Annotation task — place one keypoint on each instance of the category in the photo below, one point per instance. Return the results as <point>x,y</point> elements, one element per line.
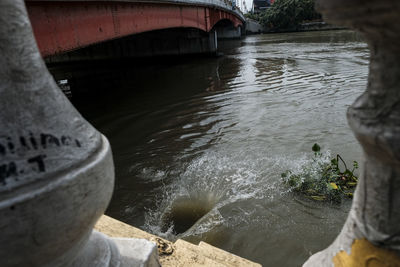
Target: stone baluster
<point>371,234</point>
<point>56,170</point>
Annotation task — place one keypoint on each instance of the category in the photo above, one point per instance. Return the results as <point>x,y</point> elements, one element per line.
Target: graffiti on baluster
<point>29,144</point>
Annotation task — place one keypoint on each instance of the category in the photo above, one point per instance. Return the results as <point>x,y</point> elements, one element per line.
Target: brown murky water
<point>203,141</point>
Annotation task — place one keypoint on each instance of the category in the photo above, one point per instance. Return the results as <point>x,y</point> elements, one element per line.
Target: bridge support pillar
<point>56,170</point>
<point>371,234</point>
<point>213,41</point>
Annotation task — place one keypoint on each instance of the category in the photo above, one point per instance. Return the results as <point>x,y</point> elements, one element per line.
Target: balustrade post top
<point>371,232</point>
<point>378,20</point>
<point>56,170</point>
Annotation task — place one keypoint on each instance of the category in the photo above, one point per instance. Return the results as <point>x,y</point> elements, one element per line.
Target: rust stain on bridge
<point>61,26</point>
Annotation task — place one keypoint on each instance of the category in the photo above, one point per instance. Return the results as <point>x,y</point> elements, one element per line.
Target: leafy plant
<point>323,180</point>
<point>254,16</point>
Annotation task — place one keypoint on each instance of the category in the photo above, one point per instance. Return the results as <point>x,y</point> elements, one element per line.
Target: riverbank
<point>254,27</point>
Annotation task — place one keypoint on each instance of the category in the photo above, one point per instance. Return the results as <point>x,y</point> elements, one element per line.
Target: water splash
<point>191,204</point>
<point>310,168</point>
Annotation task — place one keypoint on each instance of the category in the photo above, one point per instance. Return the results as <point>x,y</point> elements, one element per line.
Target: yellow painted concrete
<point>178,254</point>
<point>365,254</point>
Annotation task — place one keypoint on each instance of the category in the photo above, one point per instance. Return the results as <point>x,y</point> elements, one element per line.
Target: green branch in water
<point>322,180</point>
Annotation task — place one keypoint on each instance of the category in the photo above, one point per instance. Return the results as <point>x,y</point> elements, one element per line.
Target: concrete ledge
<point>137,252</point>
<point>178,254</point>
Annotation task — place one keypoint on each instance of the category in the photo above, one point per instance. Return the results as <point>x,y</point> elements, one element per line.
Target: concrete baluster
<point>56,170</point>
<point>371,234</point>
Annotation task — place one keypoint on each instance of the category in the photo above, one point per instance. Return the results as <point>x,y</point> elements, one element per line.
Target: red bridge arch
<point>61,26</point>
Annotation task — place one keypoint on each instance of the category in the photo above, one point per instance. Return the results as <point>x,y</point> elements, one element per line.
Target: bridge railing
<point>228,5</point>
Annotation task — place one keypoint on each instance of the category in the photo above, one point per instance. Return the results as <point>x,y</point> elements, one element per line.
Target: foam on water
<point>191,203</point>
<point>310,165</point>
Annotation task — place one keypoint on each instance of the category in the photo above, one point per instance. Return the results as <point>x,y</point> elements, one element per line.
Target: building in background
<point>261,5</point>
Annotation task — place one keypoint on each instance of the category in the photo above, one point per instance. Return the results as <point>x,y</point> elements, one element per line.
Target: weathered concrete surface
<point>318,26</point>
<point>137,252</point>
<point>99,251</point>
<point>371,234</point>
<point>253,27</point>
<point>56,170</point>
<point>178,254</point>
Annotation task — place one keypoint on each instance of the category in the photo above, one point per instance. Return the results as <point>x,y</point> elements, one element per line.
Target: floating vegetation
<point>323,180</point>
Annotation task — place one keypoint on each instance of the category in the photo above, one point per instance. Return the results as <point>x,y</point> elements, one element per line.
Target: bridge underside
<point>64,26</point>
<point>159,43</point>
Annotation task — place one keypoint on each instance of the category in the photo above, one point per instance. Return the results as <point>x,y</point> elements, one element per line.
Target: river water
<point>207,139</point>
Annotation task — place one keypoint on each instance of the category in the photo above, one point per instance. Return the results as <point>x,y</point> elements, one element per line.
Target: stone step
<point>187,254</point>
<point>219,256</point>
<point>178,254</point>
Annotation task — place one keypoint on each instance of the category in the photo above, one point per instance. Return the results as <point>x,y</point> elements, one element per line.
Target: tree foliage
<point>254,16</point>
<point>288,14</point>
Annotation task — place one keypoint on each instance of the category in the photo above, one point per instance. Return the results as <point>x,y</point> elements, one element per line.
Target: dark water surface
<point>206,139</point>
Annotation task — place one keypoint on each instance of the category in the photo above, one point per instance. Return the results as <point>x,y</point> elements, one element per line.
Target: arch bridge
<point>63,26</point>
